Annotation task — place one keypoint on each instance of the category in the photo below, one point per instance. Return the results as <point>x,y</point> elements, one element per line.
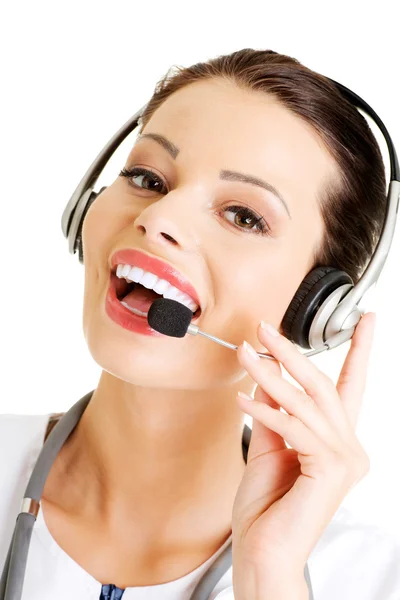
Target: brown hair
<point>353,207</point>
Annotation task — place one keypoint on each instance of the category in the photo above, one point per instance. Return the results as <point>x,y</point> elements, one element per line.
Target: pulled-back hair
<point>353,206</point>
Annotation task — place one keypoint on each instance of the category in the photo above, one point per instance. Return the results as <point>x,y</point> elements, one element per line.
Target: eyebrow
<point>224,173</point>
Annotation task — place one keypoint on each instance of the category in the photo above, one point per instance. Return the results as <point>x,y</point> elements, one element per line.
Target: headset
<point>324,311</point>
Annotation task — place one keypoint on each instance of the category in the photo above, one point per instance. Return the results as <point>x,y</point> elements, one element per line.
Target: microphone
<point>170,317</point>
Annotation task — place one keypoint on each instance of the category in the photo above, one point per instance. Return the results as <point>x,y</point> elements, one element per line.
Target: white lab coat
<point>353,560</point>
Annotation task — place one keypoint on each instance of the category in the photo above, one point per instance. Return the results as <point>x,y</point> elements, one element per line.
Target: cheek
<point>101,225</point>
<point>255,286</point>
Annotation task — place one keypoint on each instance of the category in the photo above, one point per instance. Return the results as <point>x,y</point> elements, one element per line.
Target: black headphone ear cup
<point>310,295</point>
<point>78,238</point>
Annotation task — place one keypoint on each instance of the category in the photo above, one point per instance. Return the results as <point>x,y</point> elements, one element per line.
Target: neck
<point>161,460</point>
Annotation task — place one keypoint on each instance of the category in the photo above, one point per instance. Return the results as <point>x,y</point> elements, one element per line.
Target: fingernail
<point>250,350</point>
<point>244,396</point>
<point>269,329</point>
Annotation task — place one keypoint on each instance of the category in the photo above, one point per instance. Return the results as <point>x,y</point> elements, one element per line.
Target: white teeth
<point>125,270</point>
<point>135,274</point>
<point>136,311</point>
<point>172,293</point>
<point>148,280</point>
<point>160,286</point>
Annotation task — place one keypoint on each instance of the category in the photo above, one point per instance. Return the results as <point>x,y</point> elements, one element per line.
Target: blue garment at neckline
<point>110,591</point>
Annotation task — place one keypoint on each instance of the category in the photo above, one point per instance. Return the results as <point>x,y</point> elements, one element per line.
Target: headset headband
<point>346,314</point>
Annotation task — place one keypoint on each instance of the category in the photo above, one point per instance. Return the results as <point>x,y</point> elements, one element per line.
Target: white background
<point>72,74</point>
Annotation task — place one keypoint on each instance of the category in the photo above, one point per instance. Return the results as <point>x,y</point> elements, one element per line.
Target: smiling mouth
<point>136,297</point>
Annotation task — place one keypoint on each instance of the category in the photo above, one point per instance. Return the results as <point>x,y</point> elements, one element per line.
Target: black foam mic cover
<point>169,317</point>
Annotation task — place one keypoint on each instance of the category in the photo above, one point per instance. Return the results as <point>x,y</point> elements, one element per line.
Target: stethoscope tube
<point>12,579</point>
<point>17,557</point>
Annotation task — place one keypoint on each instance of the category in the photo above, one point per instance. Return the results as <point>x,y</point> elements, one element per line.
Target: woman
<point>152,483</point>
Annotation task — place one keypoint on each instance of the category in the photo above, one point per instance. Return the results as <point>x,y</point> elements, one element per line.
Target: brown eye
<point>146,179</point>
<point>246,219</point>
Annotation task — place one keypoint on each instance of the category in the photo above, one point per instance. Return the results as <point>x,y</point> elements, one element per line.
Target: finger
<point>353,375</point>
<point>263,439</point>
<point>291,429</point>
<point>315,383</point>
<point>294,401</point>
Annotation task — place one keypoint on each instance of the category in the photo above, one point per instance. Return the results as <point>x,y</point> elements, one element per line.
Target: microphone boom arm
<point>336,340</point>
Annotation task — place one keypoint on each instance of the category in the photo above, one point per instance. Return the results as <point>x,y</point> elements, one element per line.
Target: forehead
<point>216,124</point>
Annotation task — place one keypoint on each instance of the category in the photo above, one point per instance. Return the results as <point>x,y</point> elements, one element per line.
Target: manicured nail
<point>250,350</point>
<point>269,329</point>
<point>244,396</point>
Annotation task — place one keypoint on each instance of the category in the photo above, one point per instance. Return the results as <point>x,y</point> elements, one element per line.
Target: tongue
<point>141,298</point>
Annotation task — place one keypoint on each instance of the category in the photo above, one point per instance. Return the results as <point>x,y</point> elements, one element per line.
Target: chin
<point>178,363</point>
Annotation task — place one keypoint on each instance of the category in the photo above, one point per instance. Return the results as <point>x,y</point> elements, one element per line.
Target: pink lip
<point>137,258</point>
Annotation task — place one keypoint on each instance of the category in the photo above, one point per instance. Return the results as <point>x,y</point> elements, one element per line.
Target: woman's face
<point>241,273</point>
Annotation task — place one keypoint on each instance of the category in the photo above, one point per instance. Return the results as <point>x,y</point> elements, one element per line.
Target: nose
<point>169,219</point>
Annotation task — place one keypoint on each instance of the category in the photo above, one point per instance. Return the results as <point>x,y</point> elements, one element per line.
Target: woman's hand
<point>288,496</point>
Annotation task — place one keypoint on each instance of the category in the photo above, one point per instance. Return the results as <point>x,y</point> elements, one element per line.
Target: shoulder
<point>19,434</point>
<point>355,558</point>
<point>21,439</point>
